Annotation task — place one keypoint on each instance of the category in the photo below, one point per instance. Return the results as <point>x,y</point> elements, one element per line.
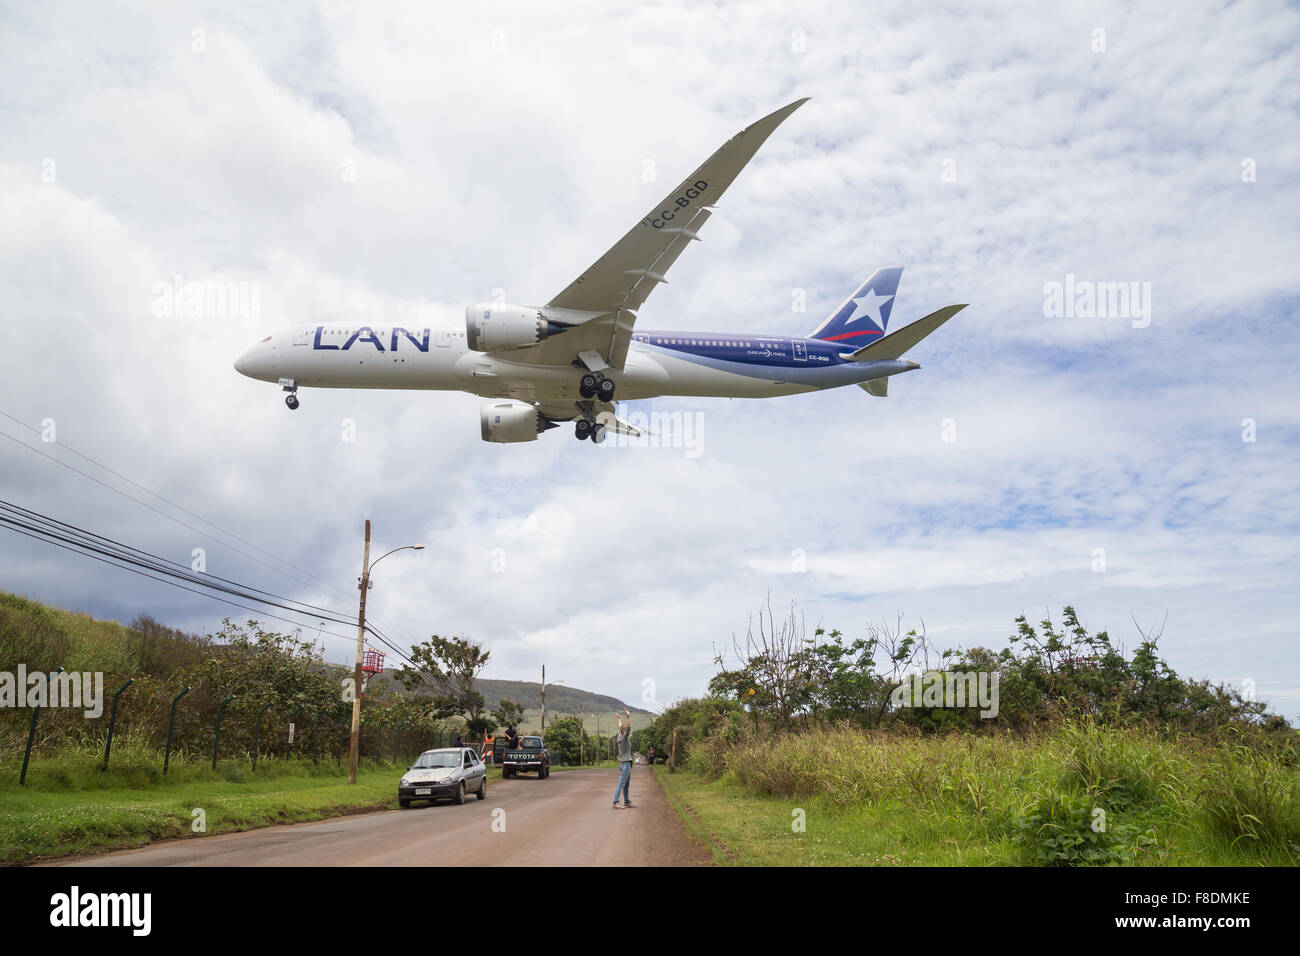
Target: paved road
<point>564,820</point>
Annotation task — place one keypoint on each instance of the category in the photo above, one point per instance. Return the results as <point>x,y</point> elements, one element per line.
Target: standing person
<point>650,757</point>
<point>624,749</point>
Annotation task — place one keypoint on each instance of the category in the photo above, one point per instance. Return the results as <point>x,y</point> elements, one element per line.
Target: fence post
<point>112,721</point>
<point>257,735</point>
<point>216,736</point>
<point>171,722</point>
<point>31,734</point>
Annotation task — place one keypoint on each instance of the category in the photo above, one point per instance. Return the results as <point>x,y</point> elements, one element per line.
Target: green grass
<point>96,812</point>
<point>992,800</point>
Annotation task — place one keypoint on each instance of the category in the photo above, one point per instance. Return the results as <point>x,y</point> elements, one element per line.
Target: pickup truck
<point>531,756</point>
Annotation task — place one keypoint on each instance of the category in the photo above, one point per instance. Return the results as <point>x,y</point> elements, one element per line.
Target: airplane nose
<point>244,364</point>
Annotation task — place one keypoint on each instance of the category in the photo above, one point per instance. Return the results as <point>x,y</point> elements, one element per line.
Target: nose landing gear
<point>290,386</point>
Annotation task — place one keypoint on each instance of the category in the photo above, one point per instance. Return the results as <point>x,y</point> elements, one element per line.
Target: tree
<point>563,739</point>
<point>507,713</point>
<point>448,667</point>
<point>772,677</point>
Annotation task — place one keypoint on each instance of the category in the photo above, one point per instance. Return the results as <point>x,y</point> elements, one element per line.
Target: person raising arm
<point>624,750</point>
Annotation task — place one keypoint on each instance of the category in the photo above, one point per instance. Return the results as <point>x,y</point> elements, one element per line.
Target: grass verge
<point>38,824</point>
<point>1079,796</point>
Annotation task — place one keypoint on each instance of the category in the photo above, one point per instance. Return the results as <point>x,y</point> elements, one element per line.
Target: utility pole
<point>543,698</point>
<point>364,585</point>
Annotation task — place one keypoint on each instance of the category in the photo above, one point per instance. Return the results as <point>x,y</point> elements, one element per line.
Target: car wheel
<point>404,804</point>
<point>459,795</point>
<point>482,788</point>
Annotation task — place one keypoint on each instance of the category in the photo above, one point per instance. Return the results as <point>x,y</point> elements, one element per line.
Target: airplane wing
<point>604,299</point>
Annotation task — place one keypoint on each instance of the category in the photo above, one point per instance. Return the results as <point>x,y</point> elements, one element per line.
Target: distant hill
<point>560,698</point>
<point>45,637</point>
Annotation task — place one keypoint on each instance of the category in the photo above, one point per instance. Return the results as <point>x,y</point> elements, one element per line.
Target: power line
<point>163,498</point>
<point>166,565</point>
<point>71,537</point>
<point>214,597</point>
<point>109,552</point>
<point>178,507</point>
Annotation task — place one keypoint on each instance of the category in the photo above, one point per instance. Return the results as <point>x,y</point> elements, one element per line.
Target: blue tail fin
<point>864,316</point>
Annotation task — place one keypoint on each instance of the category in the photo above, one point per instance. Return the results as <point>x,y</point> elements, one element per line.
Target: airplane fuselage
<point>708,364</point>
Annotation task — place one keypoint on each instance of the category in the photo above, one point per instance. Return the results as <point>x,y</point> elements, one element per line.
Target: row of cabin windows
<point>662,340</point>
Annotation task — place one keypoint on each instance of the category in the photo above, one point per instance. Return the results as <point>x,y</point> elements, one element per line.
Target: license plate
<point>423,791</point>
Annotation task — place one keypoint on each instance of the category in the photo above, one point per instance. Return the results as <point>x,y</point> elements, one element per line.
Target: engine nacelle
<point>511,422</point>
<point>490,327</point>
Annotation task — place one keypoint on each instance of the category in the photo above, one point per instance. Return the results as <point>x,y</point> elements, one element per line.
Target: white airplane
<point>569,359</point>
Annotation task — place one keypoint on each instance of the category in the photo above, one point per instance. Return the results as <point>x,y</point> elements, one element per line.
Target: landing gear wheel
<point>587,385</point>
<point>606,389</point>
<point>292,402</point>
<point>598,433</point>
<point>481,793</point>
<point>459,796</point>
<point>582,430</point>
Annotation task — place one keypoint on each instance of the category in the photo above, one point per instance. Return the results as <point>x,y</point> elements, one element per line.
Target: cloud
<point>400,161</point>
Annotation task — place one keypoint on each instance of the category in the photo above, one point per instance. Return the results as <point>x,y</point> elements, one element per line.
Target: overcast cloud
<point>405,160</point>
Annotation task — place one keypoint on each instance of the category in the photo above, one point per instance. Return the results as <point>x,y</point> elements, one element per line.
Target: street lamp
<point>364,585</point>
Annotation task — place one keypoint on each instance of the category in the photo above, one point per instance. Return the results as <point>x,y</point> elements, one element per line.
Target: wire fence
<point>70,746</point>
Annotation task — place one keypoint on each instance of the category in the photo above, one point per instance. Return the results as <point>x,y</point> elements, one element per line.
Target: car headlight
<point>404,783</point>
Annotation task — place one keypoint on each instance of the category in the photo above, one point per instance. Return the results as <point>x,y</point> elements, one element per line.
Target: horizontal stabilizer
<point>895,344</point>
<point>878,387</point>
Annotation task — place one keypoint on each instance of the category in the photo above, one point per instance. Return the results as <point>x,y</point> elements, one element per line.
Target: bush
<point>1067,829</point>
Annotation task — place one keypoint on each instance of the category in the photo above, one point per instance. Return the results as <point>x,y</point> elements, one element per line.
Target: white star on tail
<point>869,304</point>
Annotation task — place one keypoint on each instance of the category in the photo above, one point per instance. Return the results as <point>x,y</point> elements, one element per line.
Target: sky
<point>405,160</point>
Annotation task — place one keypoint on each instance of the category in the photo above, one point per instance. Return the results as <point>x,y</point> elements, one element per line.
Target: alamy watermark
<point>949,689</point>
<point>76,689</point>
<point>1084,299</point>
<point>208,299</point>
<point>684,430</point>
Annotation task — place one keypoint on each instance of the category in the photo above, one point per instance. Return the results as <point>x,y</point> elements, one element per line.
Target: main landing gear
<point>292,398</point>
<point>585,429</point>
<point>595,385</point>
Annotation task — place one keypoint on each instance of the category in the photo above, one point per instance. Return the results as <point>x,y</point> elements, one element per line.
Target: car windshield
<point>438,758</point>
<point>530,743</point>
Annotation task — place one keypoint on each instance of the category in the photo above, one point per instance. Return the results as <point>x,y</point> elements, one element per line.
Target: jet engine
<point>512,422</point>
<point>490,327</point>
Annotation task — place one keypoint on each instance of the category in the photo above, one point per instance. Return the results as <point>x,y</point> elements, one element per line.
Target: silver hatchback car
<point>451,772</point>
